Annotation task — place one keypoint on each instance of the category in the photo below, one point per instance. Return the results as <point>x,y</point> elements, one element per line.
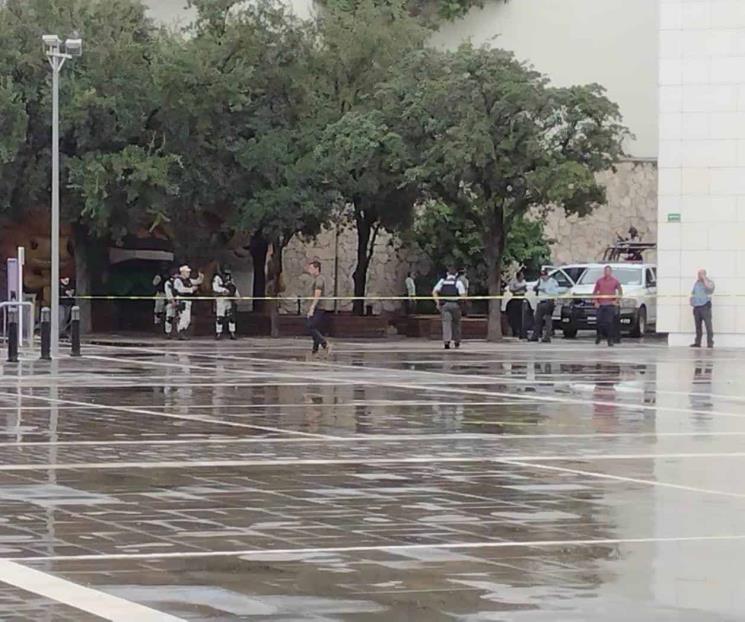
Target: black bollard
<point>12,335</point>
<point>75,332</point>
<point>45,330</point>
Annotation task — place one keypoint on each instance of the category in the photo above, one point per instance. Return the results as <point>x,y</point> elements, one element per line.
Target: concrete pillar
<point>701,211</point>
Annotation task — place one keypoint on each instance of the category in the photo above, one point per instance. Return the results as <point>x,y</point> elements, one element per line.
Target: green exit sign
<point>673,217</point>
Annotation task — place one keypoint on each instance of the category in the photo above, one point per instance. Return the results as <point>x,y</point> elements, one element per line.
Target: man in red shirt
<point>607,292</point>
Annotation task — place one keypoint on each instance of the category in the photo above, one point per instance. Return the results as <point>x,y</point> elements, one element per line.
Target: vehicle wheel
<point>639,326</point>
<point>570,333</point>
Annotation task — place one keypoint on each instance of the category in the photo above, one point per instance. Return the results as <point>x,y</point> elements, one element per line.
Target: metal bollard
<point>12,335</point>
<point>75,332</point>
<point>45,330</point>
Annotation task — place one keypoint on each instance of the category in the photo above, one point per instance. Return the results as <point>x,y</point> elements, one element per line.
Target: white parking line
<point>621,478</point>
<point>393,548</point>
<point>83,598</point>
<point>365,461</point>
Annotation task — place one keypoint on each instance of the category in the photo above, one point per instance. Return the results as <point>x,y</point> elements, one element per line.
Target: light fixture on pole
<point>57,52</point>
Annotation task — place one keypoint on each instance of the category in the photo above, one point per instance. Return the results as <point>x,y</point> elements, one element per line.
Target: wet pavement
<point>395,481</point>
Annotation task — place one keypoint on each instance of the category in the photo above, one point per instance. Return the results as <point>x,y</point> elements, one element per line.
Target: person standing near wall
<point>410,302</point>
<point>516,308</point>
<point>448,294</point>
<point>547,290</point>
<point>66,303</point>
<point>701,294</point>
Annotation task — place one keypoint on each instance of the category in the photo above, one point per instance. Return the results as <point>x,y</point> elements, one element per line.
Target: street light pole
<point>72,47</point>
<point>56,63</point>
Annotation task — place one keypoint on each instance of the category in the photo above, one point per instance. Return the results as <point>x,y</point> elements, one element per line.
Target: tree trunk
<point>494,244</point>
<point>83,278</point>
<point>274,287</point>
<point>259,247</point>
<point>364,233</point>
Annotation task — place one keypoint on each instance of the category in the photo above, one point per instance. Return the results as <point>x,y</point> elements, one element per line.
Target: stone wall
<point>632,200</point>
<point>390,263</point>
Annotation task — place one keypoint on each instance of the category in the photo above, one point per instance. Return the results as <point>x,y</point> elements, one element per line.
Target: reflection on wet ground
<point>236,481</point>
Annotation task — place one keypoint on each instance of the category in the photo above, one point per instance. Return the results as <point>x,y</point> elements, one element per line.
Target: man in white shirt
<point>547,290</point>
<point>410,302</point>
<point>448,294</point>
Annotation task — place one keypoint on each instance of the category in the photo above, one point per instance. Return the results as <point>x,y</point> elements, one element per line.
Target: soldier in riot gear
<point>225,305</point>
<point>159,306</point>
<point>170,302</point>
<point>186,288</point>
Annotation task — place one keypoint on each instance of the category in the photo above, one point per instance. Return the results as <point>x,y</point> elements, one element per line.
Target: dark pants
<point>313,325</point>
<point>515,316</point>
<point>409,306</point>
<point>702,315</point>
<point>451,314</point>
<point>65,317</point>
<point>543,320</point>
<point>606,323</point>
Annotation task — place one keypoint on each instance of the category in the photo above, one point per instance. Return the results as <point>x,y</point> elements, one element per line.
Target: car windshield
<point>627,276</point>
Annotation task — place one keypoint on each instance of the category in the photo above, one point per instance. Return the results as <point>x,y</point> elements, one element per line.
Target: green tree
<point>447,236</point>
<point>497,141</point>
<point>112,166</point>
<point>364,162</point>
<point>115,174</point>
<point>239,109</point>
<point>361,160</point>
<point>426,9</point>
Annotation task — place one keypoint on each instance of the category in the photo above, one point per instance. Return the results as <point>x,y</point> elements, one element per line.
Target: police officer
<point>225,306</point>
<point>185,288</point>
<point>448,294</point>
<point>169,294</point>
<point>547,290</point>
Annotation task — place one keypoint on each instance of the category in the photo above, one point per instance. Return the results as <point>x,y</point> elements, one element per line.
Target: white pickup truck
<point>638,304</point>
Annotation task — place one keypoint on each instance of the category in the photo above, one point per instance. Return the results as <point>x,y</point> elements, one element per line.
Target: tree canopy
<point>495,141</point>
<point>257,123</point>
<point>115,172</point>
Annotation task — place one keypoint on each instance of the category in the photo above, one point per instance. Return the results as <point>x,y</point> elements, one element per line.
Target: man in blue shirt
<point>547,290</point>
<point>703,288</point>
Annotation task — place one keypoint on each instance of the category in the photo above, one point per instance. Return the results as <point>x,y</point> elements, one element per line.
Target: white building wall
<point>702,163</point>
<point>611,42</point>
